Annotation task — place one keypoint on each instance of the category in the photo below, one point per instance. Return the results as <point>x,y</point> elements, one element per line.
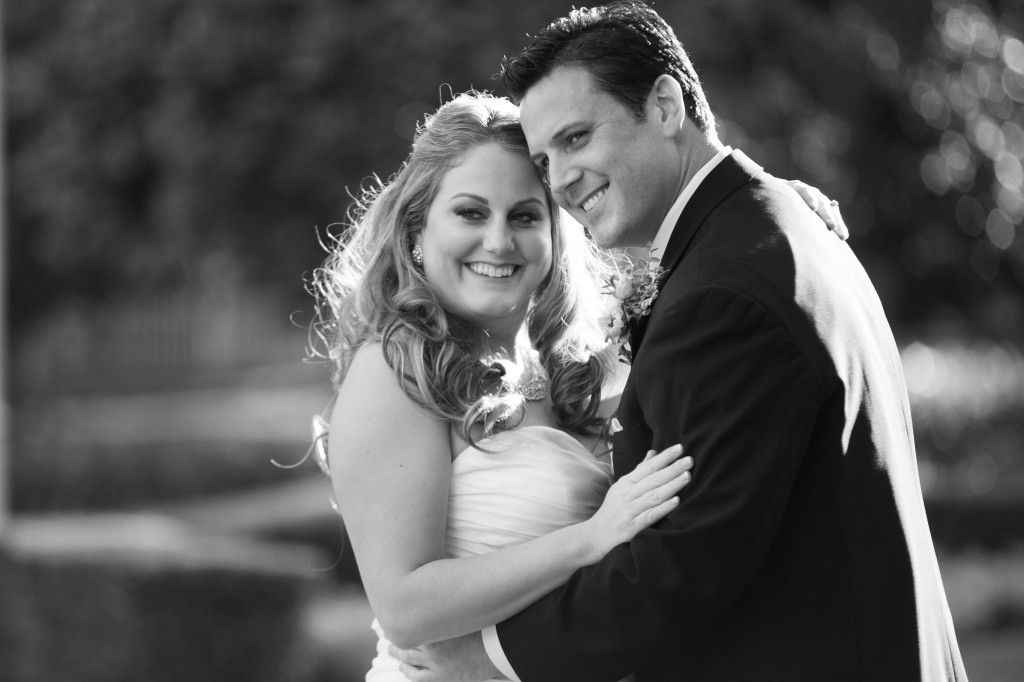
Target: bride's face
<point>487,238</point>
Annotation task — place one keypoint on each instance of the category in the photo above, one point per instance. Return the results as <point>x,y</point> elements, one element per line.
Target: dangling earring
<point>417,255</point>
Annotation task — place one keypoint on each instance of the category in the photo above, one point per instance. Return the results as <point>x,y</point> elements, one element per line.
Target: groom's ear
<point>666,105</point>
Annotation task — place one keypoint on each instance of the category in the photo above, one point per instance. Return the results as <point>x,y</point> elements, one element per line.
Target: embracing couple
<point>765,520</point>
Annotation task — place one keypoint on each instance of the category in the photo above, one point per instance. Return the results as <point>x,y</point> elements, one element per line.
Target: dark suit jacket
<point>800,551</point>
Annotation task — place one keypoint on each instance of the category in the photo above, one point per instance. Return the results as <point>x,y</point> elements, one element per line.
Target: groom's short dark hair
<point>625,46</point>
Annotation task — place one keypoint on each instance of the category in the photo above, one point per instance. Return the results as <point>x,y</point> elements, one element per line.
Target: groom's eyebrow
<point>555,137</point>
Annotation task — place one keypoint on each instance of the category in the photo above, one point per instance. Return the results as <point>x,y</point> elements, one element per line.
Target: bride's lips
<point>493,270</point>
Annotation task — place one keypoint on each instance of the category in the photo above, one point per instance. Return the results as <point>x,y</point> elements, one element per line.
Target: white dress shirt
<point>490,634</point>
<point>660,240</point>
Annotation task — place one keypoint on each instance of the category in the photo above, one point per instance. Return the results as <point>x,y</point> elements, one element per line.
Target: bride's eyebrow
<point>467,195</point>
<point>531,200</point>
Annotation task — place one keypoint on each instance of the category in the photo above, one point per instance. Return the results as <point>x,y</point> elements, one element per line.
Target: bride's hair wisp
<point>368,289</point>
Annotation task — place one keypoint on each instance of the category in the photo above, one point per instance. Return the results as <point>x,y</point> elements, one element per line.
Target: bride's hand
<point>637,500</point>
<point>827,210</point>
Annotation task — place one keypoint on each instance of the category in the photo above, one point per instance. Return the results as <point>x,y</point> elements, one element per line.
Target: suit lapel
<point>732,173</point>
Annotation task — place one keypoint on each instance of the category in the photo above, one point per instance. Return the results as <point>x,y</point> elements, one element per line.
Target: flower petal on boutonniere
<point>629,295</point>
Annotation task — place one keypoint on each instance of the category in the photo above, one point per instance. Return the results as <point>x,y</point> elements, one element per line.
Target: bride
<point>467,444</point>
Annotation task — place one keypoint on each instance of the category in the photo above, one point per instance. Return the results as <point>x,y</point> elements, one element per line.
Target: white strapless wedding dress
<point>529,482</point>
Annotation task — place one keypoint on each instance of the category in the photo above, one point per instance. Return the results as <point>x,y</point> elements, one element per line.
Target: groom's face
<point>612,172</point>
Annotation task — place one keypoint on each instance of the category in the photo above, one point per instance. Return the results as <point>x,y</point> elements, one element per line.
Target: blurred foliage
<point>142,598</point>
<point>171,144</point>
<point>131,477</point>
<point>147,139</point>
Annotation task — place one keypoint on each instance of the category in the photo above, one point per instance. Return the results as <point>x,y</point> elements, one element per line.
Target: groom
<point>801,550</point>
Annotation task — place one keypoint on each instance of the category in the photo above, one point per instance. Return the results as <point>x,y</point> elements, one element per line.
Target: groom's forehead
<point>561,98</point>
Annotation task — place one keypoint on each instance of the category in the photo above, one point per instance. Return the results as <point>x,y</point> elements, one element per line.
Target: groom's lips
<point>592,199</point>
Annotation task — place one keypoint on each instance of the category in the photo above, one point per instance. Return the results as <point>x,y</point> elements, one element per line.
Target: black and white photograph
<point>437,341</point>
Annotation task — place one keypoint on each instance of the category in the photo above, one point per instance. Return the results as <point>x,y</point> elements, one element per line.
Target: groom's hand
<point>462,659</point>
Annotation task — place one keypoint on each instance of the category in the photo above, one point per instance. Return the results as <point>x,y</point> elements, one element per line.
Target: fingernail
<point>688,461</point>
<point>677,447</point>
<point>686,476</point>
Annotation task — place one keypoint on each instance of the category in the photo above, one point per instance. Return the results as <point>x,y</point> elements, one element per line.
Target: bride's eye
<point>472,214</point>
<point>528,218</point>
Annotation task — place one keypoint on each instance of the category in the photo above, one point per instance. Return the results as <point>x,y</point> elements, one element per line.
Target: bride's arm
<point>390,466</point>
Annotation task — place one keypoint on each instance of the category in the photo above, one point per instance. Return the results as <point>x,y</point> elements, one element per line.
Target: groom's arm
<point>728,381</point>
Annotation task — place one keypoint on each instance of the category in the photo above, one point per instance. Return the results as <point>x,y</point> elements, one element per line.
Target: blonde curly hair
<point>368,289</point>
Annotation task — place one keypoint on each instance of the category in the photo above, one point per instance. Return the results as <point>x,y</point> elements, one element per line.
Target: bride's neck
<point>505,348</point>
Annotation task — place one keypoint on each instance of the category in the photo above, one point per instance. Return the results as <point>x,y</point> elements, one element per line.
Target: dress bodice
<point>507,489</point>
<point>518,485</point>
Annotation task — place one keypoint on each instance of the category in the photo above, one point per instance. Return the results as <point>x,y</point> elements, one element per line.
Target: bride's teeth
<point>488,270</point>
<point>592,201</point>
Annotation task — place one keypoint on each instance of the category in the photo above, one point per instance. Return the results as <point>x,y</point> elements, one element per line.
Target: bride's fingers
<point>654,462</point>
<point>665,490</point>
<point>827,210</point>
<point>660,477</point>
<point>838,226</point>
<point>811,195</point>
<point>649,517</point>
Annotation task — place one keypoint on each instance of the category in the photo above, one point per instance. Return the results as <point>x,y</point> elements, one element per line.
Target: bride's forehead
<point>493,169</point>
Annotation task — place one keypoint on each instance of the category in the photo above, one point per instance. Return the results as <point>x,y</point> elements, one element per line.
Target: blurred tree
<point>150,140</point>
<point>147,138</point>
<point>949,194</point>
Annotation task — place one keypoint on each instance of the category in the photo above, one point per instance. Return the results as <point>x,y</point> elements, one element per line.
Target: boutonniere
<point>629,295</point>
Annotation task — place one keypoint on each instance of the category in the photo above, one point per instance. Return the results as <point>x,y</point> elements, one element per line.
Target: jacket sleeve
<point>719,374</point>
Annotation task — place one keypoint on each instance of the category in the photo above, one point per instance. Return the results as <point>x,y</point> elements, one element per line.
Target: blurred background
<point>169,169</point>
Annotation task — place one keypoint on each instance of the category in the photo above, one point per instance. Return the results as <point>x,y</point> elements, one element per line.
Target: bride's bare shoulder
<point>369,356</point>
<point>372,405</point>
<point>370,381</point>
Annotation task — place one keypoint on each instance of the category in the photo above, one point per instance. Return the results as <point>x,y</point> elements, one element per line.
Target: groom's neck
<point>697,148</point>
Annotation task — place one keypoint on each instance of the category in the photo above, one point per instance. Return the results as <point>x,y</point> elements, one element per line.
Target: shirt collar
<point>672,217</point>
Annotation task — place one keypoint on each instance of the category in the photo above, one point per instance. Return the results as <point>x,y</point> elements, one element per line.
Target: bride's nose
<point>498,237</point>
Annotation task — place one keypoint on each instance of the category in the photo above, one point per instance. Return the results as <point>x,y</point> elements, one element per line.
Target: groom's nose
<point>562,173</point>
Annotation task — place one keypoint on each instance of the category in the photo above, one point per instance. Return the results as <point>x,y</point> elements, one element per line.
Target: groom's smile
<point>591,201</point>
